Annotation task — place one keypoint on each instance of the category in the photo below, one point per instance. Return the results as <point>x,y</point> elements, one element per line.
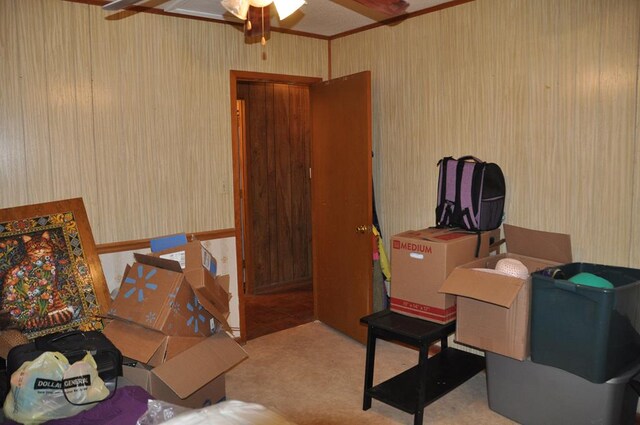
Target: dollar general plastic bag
<point>49,388</point>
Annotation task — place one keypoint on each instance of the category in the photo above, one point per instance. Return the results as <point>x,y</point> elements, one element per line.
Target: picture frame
<point>51,278</point>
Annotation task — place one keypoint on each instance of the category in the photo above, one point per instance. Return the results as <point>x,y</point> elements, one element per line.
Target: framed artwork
<point>50,273</point>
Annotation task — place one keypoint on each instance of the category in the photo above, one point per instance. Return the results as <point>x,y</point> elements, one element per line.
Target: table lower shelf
<point>445,371</point>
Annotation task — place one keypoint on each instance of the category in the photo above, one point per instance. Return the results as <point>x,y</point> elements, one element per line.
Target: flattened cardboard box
<point>156,294</point>
<point>188,371</point>
<point>145,345</point>
<point>420,262</point>
<point>494,309</point>
<point>211,393</point>
<point>200,268</point>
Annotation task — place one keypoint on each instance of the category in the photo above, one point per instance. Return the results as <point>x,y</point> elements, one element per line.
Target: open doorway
<point>272,201</point>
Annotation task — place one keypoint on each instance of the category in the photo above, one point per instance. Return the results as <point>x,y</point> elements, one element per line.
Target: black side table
<point>412,390</point>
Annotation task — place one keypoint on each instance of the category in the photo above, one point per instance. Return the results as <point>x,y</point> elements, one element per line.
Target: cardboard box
<point>175,291</point>
<point>155,293</point>
<point>200,270</point>
<point>421,260</point>
<point>494,309</point>
<point>211,393</point>
<point>161,318</point>
<point>145,345</point>
<point>184,371</point>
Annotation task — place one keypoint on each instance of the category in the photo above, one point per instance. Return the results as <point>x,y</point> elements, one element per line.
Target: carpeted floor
<point>314,375</point>
<point>269,313</point>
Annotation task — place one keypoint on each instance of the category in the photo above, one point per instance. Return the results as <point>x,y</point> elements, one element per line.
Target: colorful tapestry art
<point>46,277</point>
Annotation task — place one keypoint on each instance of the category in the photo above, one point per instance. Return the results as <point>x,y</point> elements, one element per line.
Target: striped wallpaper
<point>132,113</point>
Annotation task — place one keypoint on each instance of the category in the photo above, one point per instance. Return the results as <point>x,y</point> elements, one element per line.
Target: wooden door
<point>341,193</point>
<point>276,161</point>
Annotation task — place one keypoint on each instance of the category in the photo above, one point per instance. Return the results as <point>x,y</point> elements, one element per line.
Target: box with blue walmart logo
<point>155,294</point>
<point>200,270</point>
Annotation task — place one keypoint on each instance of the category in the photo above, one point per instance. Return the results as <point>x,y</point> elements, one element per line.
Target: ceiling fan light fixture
<point>246,10</point>
<point>237,8</point>
<point>287,7</point>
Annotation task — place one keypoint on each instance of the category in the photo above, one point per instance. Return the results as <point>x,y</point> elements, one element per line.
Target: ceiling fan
<point>388,7</point>
<point>256,13</point>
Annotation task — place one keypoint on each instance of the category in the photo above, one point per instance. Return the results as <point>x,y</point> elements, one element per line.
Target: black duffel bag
<point>73,345</point>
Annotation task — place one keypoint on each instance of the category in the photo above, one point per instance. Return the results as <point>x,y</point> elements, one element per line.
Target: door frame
<point>249,76</point>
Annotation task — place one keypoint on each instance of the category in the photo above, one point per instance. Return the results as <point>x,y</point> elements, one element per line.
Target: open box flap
<point>484,286</point>
<point>222,282</point>
<point>209,262</point>
<point>138,375</point>
<point>451,235</point>
<point>479,280</point>
<point>211,293</point>
<point>211,308</point>
<point>538,244</point>
<point>160,263</point>
<point>178,344</point>
<point>127,269</point>
<point>193,368</point>
<point>135,341</point>
<point>189,256</point>
<point>436,234</point>
<point>213,289</point>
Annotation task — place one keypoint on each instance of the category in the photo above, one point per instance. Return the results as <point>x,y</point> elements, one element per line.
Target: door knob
<point>362,229</point>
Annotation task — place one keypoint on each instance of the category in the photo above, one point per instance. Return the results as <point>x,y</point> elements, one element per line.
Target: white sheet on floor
<point>231,412</point>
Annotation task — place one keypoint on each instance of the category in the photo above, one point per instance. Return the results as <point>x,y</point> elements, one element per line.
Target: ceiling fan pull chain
<point>263,41</point>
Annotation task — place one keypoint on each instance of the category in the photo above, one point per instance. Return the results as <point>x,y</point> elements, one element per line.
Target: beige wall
<point>91,106</point>
<point>132,114</point>
<point>545,88</point>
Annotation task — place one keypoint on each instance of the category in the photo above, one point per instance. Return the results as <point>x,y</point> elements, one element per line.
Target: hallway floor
<point>270,313</point>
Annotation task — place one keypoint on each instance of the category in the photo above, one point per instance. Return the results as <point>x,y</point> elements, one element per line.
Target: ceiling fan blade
<point>119,4</point>
<point>388,7</point>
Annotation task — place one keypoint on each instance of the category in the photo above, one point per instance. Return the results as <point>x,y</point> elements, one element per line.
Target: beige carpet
<point>312,375</point>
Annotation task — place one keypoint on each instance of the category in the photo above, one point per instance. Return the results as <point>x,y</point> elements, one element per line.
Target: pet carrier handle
<point>565,286</point>
<point>462,158</point>
<point>466,157</point>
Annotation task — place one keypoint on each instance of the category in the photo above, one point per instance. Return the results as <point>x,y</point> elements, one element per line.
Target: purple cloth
<point>124,408</point>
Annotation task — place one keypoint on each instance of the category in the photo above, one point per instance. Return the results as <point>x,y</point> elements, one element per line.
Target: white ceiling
<point>318,17</point>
